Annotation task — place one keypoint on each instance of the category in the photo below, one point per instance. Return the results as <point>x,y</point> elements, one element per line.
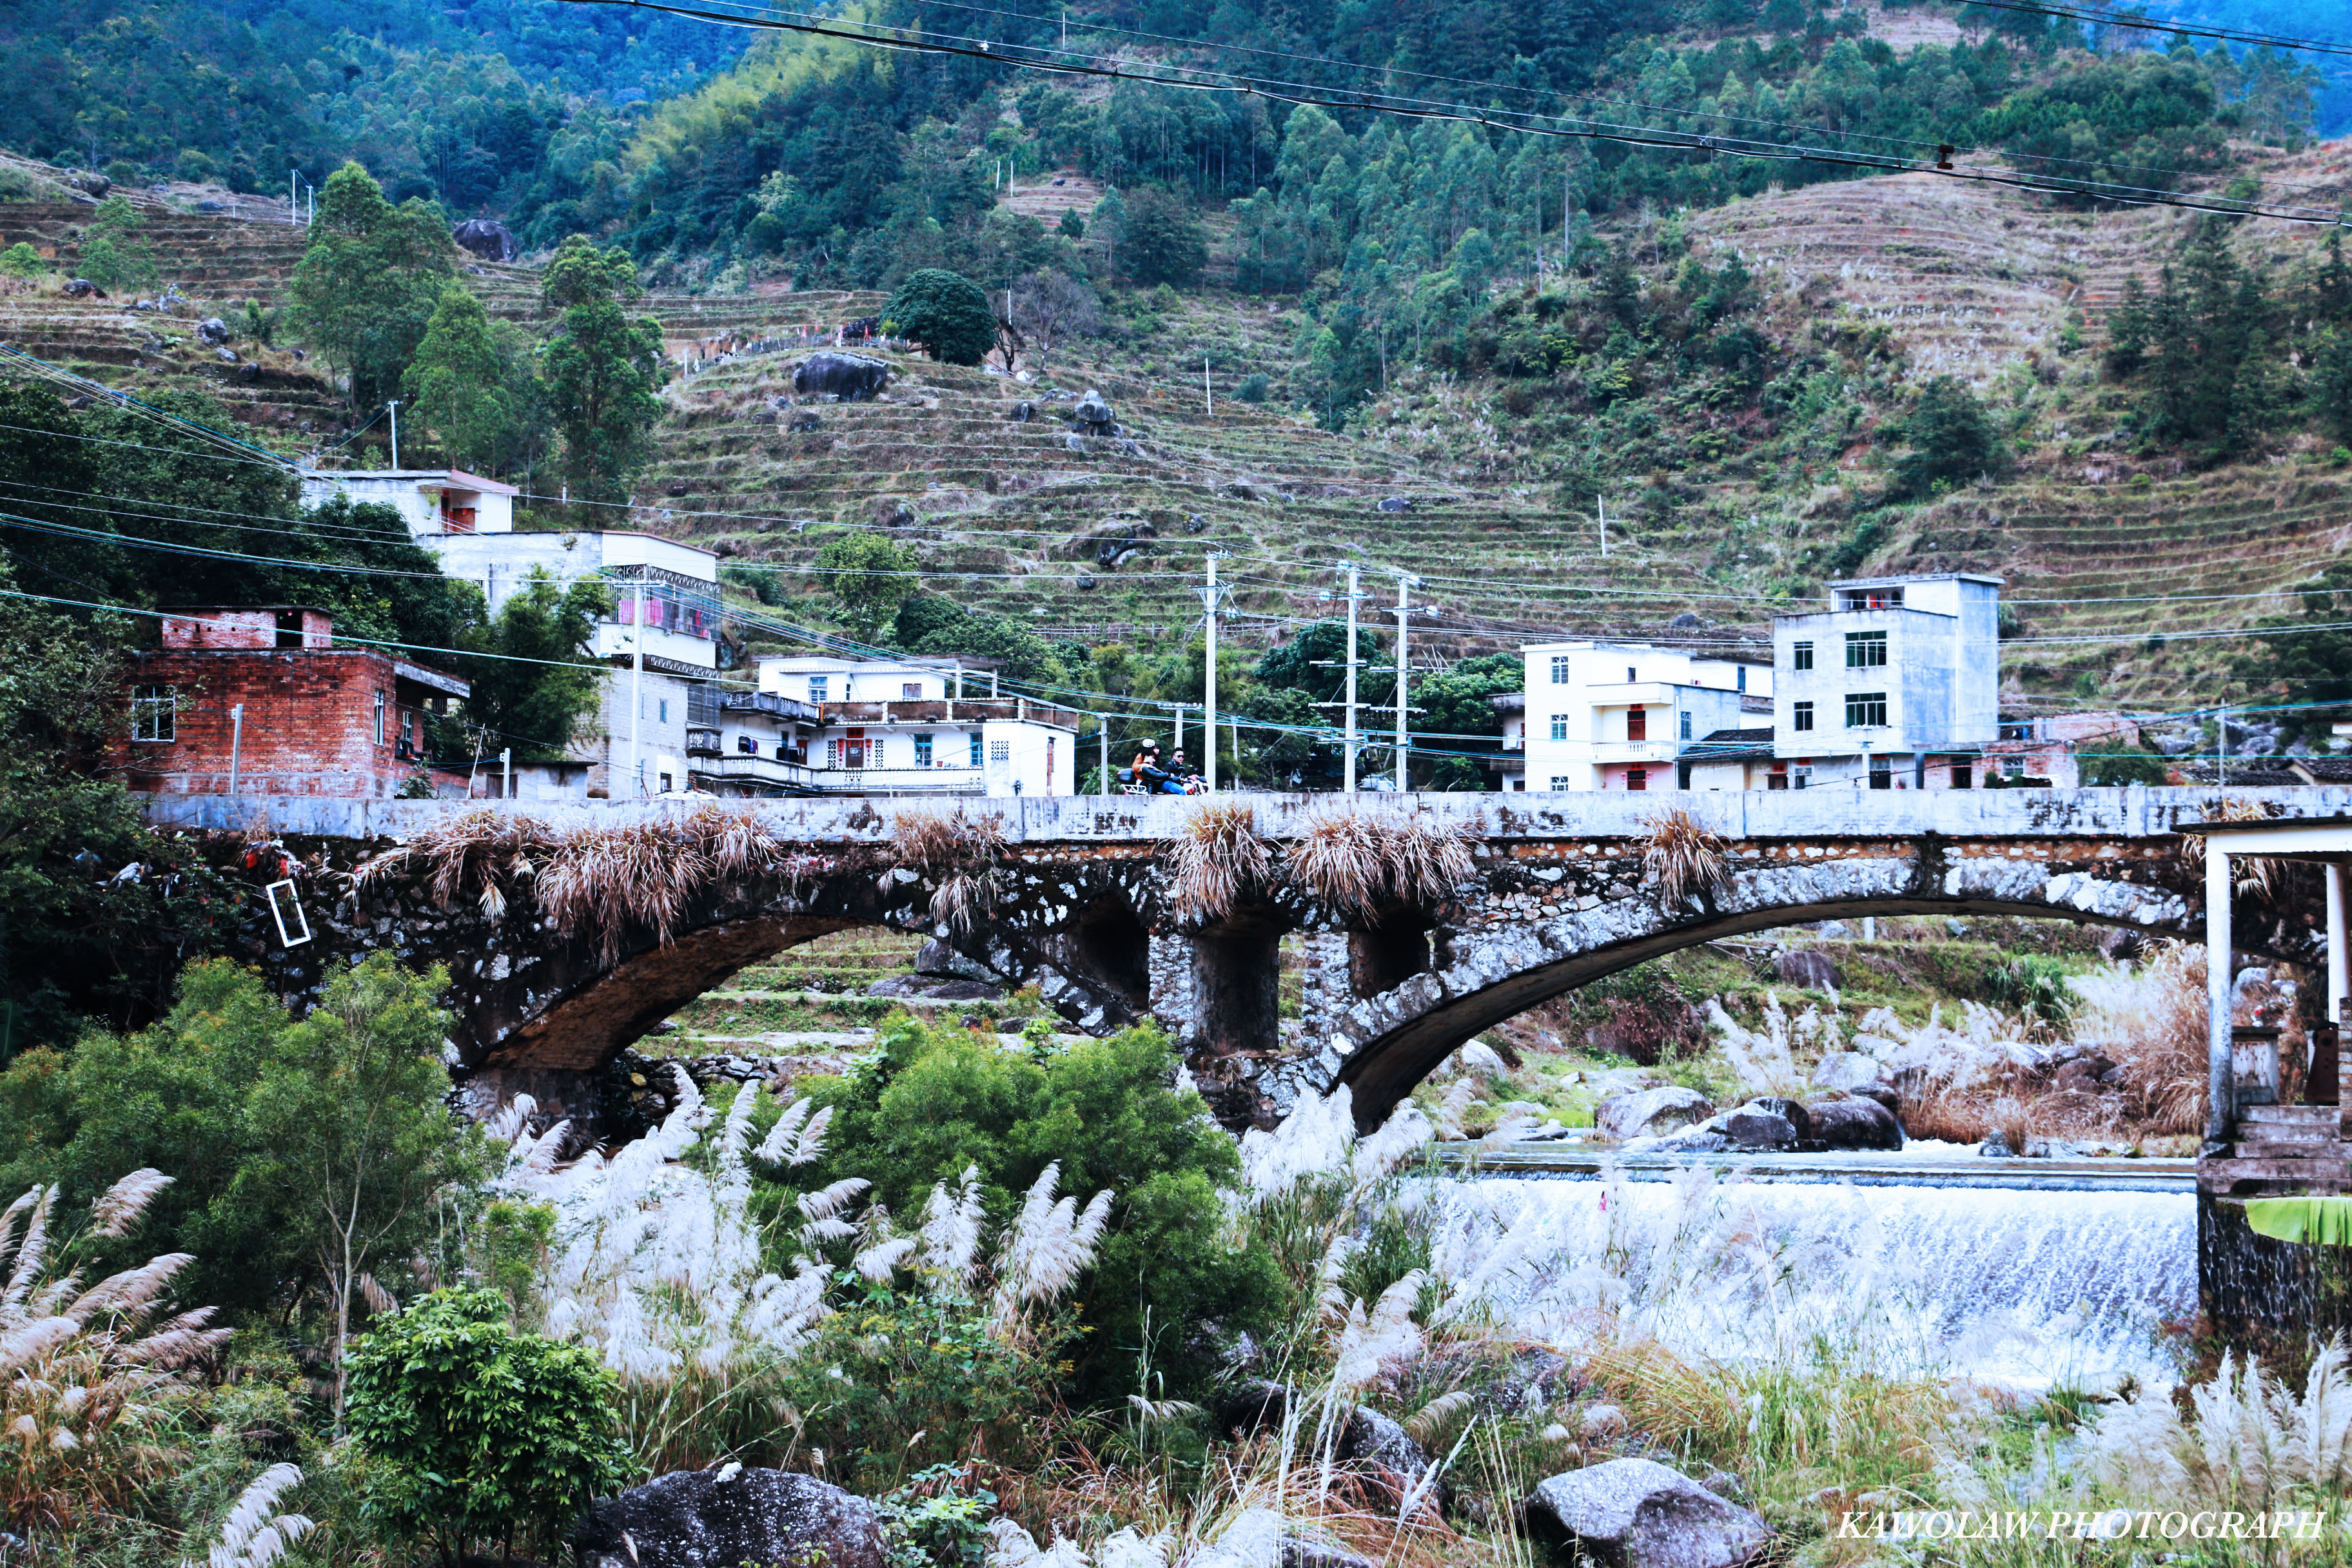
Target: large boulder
<point>1855,1123</point>
<point>488,238</point>
<point>83,288</point>
<point>851,378</point>
<point>1650,1112</point>
<point>1842,1072</point>
<point>1370,1439</point>
<point>727,1517</point>
<point>1755,1130</point>
<point>936,957</point>
<point>1807,969</point>
<point>1093,415</point>
<point>1638,1513</point>
<point>935,988</point>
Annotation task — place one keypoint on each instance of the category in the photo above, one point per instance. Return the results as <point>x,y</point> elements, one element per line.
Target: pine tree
<point>603,369</point>
<point>369,282</point>
<point>471,390</point>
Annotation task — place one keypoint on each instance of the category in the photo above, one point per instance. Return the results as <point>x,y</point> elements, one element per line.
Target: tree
<point>868,575</point>
<point>1164,240</point>
<point>944,312</point>
<point>96,910</point>
<point>604,371</point>
<point>1951,441</point>
<point>112,256</point>
<point>1052,305</point>
<point>369,282</point>
<point>472,384</point>
<point>2314,663</point>
<point>474,1433</point>
<point>1315,660</point>
<point>534,680</point>
<point>354,1136</point>
<point>935,1101</point>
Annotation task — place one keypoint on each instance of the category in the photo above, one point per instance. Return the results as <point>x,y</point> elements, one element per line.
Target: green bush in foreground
<point>934,1100</point>
<point>473,1432</point>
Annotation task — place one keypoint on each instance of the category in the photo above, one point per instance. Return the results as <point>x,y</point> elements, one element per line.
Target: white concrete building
<point>917,726</point>
<point>433,500</point>
<point>1510,765</point>
<point>1896,685</point>
<point>1617,716</point>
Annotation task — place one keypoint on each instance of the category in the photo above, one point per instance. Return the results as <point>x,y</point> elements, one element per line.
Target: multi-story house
<point>916,726</point>
<point>1895,686</point>
<point>1621,716</point>
<point>665,606</point>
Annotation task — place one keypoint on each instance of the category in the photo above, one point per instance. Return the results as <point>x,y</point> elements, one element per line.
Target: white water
<point>2000,1286</point>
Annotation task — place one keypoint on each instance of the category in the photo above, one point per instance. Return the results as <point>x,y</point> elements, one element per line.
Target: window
<point>664,707</point>
<point>1741,673</point>
<point>1637,723</point>
<point>2013,766</point>
<point>1685,731</point>
<point>833,752</point>
<point>1561,785</point>
<point>1865,709</point>
<point>922,750</point>
<point>910,690</point>
<point>1882,773</point>
<point>665,785</point>
<point>1801,716</point>
<point>817,684</point>
<point>154,712</point>
<point>1000,751</point>
<point>874,752</point>
<point>1560,669</point>
<point>1637,778</point>
<point>1870,599</point>
<point>1866,650</point>
<point>1801,775</point>
<point>1776,777</point>
<point>1629,675</point>
<point>1801,656</point>
<point>379,718</point>
<point>1963,776</point>
<point>1560,726</point>
<point>975,750</point>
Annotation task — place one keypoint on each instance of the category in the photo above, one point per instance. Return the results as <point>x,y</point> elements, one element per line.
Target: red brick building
<point>317,720</point>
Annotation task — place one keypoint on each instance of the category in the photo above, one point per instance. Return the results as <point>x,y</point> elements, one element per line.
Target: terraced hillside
<point>1103,538</point>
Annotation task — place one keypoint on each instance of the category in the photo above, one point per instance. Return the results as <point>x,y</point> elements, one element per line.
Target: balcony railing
<point>897,781</point>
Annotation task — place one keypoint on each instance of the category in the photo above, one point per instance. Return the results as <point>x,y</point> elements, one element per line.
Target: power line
<point>2149,24</point>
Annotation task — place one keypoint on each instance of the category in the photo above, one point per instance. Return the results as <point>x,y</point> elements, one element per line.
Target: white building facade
<point>1896,685</point>
<point>916,727</point>
<point>433,500</point>
<point>1619,716</point>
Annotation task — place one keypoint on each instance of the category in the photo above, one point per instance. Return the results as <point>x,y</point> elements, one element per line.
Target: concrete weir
<point>1558,895</point>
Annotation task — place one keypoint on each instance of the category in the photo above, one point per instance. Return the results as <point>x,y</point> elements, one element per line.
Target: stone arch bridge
<point>1557,896</point>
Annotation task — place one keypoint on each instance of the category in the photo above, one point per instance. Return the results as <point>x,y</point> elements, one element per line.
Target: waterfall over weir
<point>2006,1286</point>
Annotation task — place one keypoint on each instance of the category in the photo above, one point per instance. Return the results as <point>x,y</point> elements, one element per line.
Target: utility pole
<point>1347,745</point>
<point>637,690</point>
<point>1208,393</point>
<point>1102,729</point>
<point>1209,704</point>
<point>1405,714</point>
<point>506,774</point>
<point>236,744</point>
<point>394,408</point>
<point>1602,503</point>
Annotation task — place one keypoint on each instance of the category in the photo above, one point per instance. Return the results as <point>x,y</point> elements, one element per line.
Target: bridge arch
<point>1557,897</point>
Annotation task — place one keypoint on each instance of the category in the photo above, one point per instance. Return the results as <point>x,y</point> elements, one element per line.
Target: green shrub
<point>1254,389</point>
<point>21,261</point>
<point>471,1432</point>
<point>934,1100</point>
<point>2035,986</point>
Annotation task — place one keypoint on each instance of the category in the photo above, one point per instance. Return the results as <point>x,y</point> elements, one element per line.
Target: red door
<point>1637,723</point>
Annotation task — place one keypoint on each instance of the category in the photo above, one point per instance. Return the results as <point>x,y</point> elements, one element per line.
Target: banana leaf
<point>2324,1222</point>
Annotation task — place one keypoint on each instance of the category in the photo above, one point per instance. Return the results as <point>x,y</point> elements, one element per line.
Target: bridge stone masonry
<point>552,970</point>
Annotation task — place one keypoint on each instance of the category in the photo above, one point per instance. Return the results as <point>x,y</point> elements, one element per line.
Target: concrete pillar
<point>2339,962</point>
<point>1324,991</point>
<point>2221,1113</point>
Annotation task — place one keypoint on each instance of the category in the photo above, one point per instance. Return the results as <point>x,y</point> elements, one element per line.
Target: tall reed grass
<point>593,879</point>
<point>1217,858</point>
<point>1353,860</point>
